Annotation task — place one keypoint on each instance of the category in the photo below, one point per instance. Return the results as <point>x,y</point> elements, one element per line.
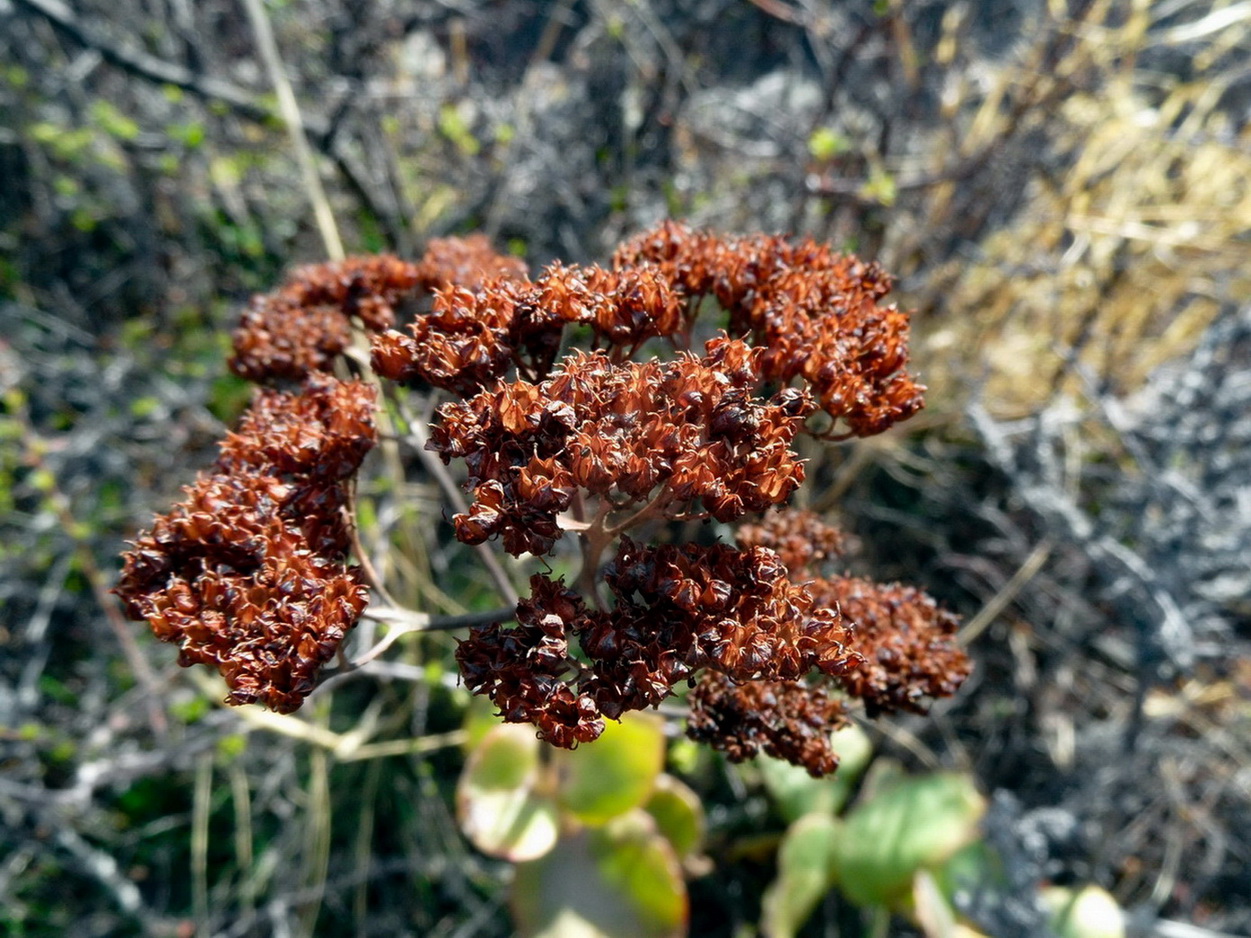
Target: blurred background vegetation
<point>1063,188</point>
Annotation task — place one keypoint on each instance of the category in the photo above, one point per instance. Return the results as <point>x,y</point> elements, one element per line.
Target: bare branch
<point>143,65</point>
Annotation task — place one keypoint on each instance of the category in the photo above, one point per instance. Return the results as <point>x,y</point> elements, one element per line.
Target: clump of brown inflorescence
<point>689,437</point>
<point>906,641</point>
<point>816,313</point>
<point>784,719</point>
<point>249,575</point>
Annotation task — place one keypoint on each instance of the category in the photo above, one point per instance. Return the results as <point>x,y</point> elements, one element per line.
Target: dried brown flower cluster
<point>466,262</point>
<point>523,669</point>
<point>906,641</point>
<point>784,719</point>
<point>687,433</point>
<point>908,644</point>
<point>463,345</point>
<point>677,611</point>
<point>801,538</point>
<point>624,307</point>
<point>689,607</point>
<point>477,333</point>
<point>304,325</point>
<point>772,659</point>
<point>814,311</point>
<point>248,575</point>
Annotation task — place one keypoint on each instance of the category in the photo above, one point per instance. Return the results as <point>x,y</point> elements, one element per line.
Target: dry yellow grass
<point>1119,261</point>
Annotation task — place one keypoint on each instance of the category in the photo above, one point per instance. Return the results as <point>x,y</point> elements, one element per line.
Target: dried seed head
<point>801,539</point>
<point>815,313</point>
<point>690,428</point>
<point>906,640</point>
<point>247,574</point>
<point>678,610</point>
<point>300,328</point>
<point>784,719</point>
<point>461,345</point>
<point>522,668</point>
<point>466,262</point>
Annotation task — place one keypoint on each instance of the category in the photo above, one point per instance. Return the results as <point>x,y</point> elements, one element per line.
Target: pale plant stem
<point>362,557</point>
<point>364,848</point>
<point>405,623</point>
<point>201,809</point>
<point>451,491</point>
<point>413,622</point>
<point>646,513</point>
<point>405,747</point>
<point>342,747</point>
<point>289,108</point>
<point>241,795</point>
<point>594,539</point>
<point>1001,600</point>
<point>319,819</point>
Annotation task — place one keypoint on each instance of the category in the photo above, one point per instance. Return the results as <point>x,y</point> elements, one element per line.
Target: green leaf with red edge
<point>619,880</point>
<point>678,813</point>
<point>805,873</point>
<point>500,799</point>
<point>615,774</point>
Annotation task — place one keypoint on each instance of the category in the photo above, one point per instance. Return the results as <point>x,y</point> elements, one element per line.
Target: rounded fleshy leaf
<point>805,873</point>
<point>614,774</point>
<point>620,880</point>
<point>917,823</point>
<point>1088,912</point>
<point>497,802</point>
<point>678,813</point>
<point>479,720</point>
<point>797,793</point>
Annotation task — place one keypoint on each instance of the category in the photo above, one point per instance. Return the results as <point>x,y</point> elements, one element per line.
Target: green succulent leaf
<point>479,720</point>
<point>972,866</point>
<point>678,813</point>
<point>620,880</point>
<point>797,793</point>
<point>1088,912</point>
<point>918,823</point>
<point>498,802</point>
<point>614,774</point>
<point>805,866</point>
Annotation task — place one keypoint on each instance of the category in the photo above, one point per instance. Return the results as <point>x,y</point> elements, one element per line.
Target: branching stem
<point>593,540</point>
